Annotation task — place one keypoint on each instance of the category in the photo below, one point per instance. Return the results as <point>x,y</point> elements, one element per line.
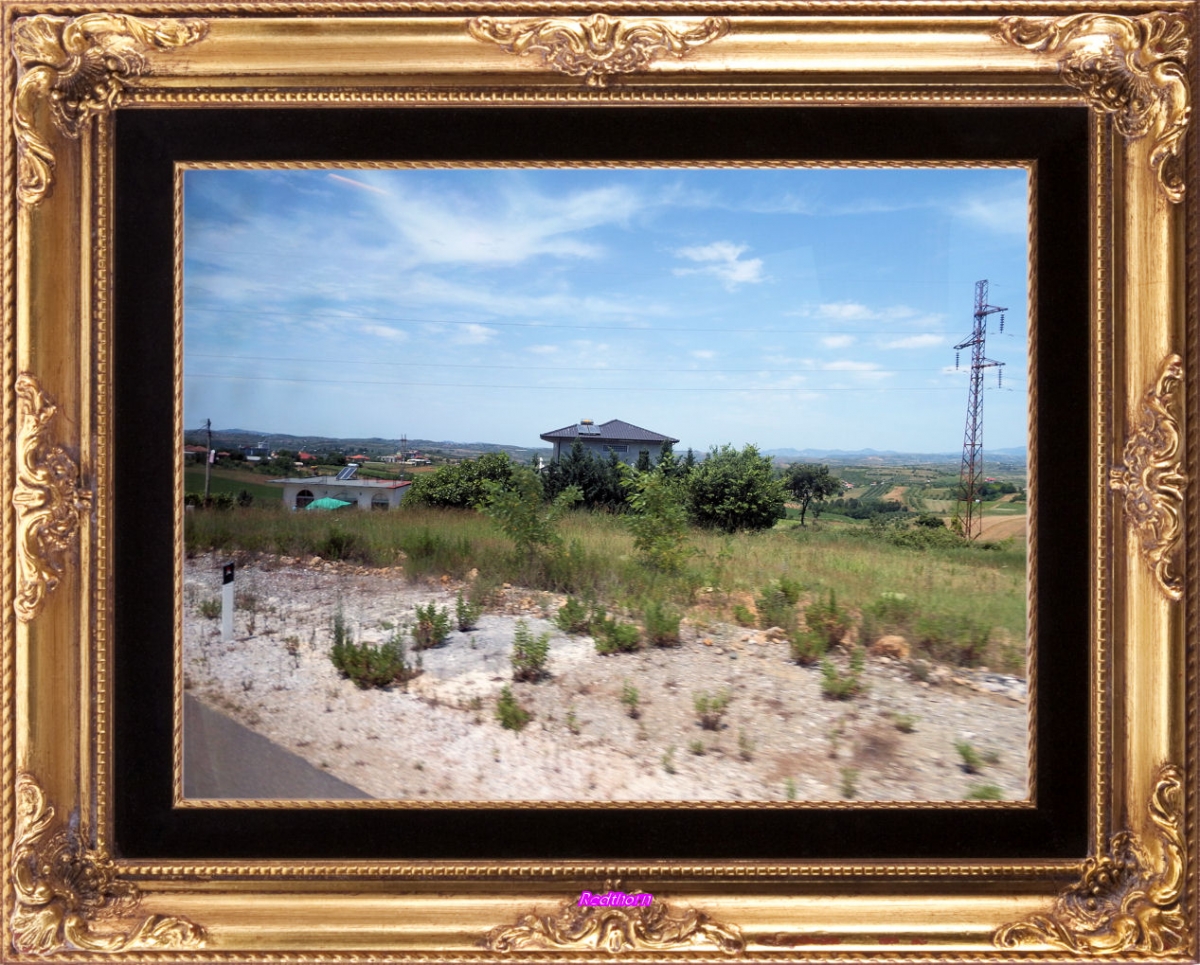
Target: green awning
<point>328,502</point>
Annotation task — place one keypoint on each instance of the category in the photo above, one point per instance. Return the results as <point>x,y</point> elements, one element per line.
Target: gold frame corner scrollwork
<point>69,896</point>
<point>49,502</point>
<point>75,67</point>
<point>1122,904</point>
<point>598,47</point>
<point>1131,67</point>
<point>1152,478</point>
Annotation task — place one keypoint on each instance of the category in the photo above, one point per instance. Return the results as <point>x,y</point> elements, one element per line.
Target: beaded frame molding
<point>68,69</point>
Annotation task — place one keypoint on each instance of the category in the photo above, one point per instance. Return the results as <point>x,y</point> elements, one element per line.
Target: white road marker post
<point>227,602</point>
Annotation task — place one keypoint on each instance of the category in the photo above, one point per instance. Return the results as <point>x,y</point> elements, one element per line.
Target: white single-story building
<point>623,438</point>
<point>367,493</point>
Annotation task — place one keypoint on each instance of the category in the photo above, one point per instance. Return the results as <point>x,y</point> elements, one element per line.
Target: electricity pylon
<point>970,520</point>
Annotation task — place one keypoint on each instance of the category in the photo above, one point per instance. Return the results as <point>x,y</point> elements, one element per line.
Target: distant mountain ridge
<point>1011,454</point>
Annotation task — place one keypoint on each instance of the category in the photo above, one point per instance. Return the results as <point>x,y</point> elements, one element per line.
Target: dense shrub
<point>733,490</point>
<point>368,665</point>
<point>808,646</point>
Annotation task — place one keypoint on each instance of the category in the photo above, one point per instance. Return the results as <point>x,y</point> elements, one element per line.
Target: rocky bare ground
<point>438,739</point>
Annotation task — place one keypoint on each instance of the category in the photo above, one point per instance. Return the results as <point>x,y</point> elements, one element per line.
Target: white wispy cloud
<point>846,365</point>
<point>703,353</point>
<point>837,341</point>
<point>928,340</point>
<point>384,331</point>
<point>543,349</point>
<point>1000,213</point>
<point>723,260</point>
<point>473,334</point>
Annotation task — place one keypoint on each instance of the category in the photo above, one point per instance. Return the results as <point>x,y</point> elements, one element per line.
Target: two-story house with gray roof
<point>623,438</point>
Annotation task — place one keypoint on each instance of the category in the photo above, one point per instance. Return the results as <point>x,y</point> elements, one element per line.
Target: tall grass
<point>955,586</point>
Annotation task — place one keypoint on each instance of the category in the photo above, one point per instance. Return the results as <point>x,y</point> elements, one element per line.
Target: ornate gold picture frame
<point>98,863</point>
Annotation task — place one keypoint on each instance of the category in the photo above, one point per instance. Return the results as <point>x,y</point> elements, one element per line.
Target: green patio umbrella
<point>328,502</point>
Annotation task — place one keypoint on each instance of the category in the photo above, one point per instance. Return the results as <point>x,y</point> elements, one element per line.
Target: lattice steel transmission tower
<point>971,520</point>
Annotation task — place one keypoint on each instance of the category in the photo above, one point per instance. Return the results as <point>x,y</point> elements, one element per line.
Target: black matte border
<point>149,142</point>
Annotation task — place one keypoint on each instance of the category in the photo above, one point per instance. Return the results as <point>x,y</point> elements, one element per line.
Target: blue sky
<point>798,308</point>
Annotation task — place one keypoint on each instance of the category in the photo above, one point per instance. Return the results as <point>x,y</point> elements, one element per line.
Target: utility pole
<point>971,522</point>
<point>208,458</point>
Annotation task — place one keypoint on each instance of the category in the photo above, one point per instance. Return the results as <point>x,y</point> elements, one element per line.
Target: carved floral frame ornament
<point>67,71</point>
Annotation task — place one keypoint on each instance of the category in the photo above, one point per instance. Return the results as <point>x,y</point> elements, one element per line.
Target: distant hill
<point>889,457</point>
<point>370,446</point>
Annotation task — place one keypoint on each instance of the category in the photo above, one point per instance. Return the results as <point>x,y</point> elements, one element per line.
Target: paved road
<point>223,759</point>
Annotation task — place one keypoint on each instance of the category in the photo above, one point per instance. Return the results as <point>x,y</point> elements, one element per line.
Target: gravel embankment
<point>439,739</point>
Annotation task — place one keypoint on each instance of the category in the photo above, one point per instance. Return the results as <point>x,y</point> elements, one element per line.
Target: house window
<point>619,449</point>
<point>379,501</point>
<point>303,498</point>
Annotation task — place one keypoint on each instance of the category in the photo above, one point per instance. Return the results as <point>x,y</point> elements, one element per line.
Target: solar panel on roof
<point>587,429</point>
<point>348,472</point>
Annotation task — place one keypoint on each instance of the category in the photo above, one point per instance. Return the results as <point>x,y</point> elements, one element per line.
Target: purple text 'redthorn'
<point>617,898</point>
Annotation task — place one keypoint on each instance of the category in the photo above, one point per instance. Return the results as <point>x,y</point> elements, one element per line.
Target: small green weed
<point>984,792</point>
<point>828,619</point>
<point>905,723</point>
<point>775,608</point>
<point>573,721</point>
<point>789,789</point>
<point>839,686</point>
<point>613,636</point>
<point>807,647</point>
<point>971,761</point>
<point>668,760</point>
<point>433,626</point>
<point>746,746</point>
<point>710,708</point>
<point>696,747</point>
<point>466,613</point>
<point>210,609</point>
<point>743,616</point>
<point>573,617</point>
<point>662,624</point>
<point>630,698</point>
<point>849,785</point>
<point>529,653</point>
<point>509,712</point>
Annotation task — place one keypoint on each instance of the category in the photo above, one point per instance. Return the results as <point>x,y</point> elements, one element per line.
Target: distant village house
<point>380,494</point>
<point>623,438</point>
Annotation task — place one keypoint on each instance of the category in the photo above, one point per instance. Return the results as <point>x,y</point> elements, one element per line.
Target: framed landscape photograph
<point>643,480</point>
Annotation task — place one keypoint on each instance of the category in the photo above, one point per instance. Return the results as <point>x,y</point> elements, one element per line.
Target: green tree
<point>809,483</point>
<point>598,479</point>
<point>525,518</point>
<point>643,461</point>
<point>659,519</point>
<point>733,490</point>
<point>463,486</point>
